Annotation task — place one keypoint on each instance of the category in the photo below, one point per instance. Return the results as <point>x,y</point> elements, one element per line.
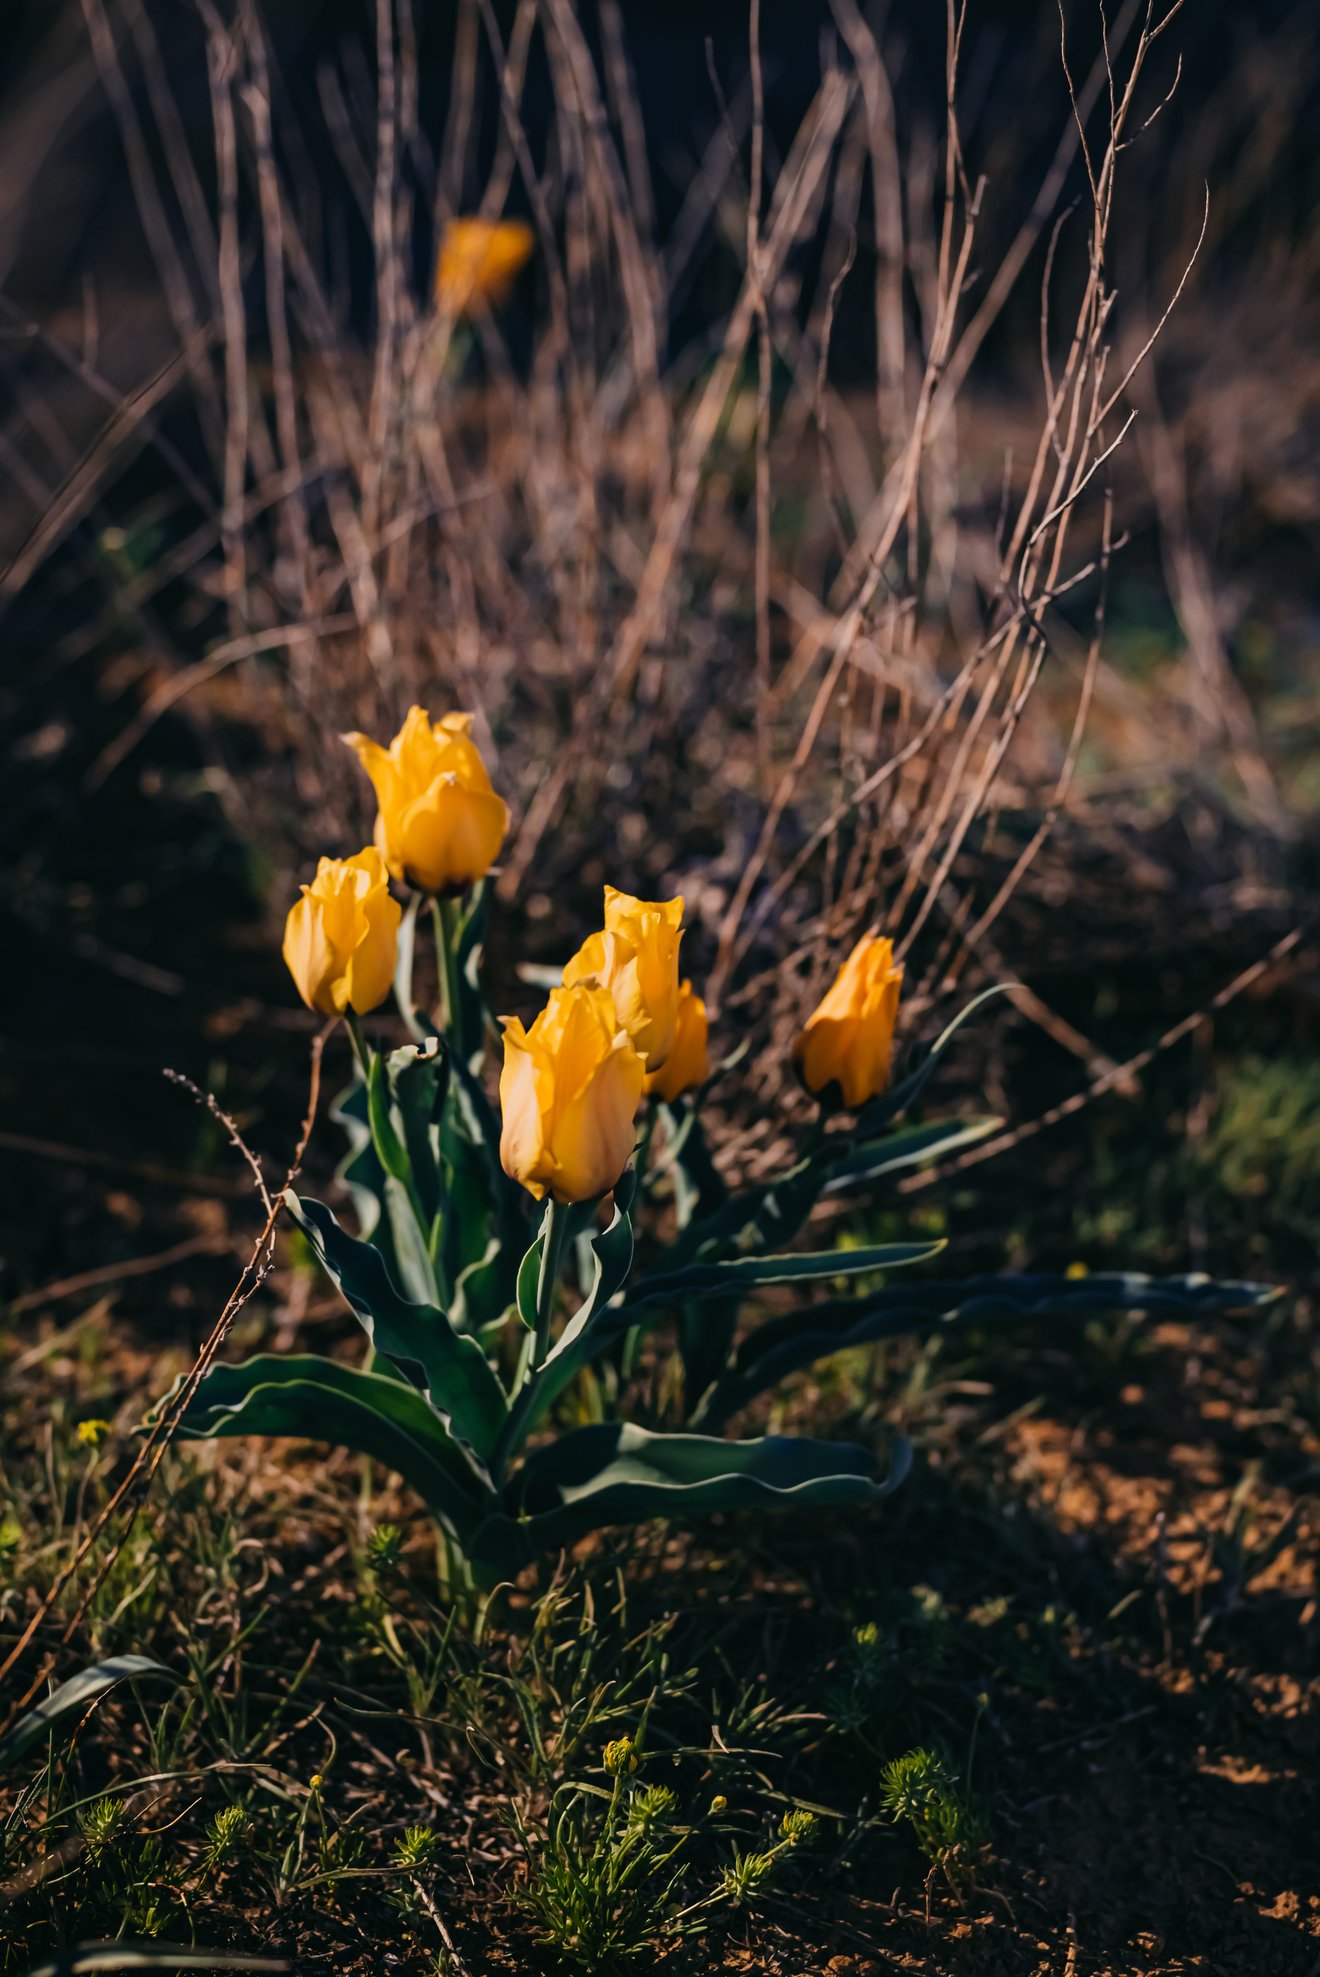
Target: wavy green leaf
<point>417,1085</point>
<point>611,1255</point>
<point>699,1187</point>
<point>318,1400</point>
<point>618,1473</point>
<point>744,1273</point>
<point>783,1346</point>
<point>911,1147</point>
<point>529,1272</point>
<point>417,1338</point>
<point>360,1169</point>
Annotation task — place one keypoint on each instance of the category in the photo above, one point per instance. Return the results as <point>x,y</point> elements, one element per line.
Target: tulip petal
<point>688,1061</point>
<point>523,1107</point>
<point>594,1135</point>
<point>370,975</point>
<point>307,953</point>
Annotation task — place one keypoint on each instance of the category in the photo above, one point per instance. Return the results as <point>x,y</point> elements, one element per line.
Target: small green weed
<point>605,1891</point>
<point>920,1791</point>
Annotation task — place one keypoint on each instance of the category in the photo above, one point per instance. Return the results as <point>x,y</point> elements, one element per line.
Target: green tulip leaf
<point>482,1292</point>
<point>699,1187</point>
<point>477,1266</point>
<point>316,1399</point>
<point>471,1116</point>
<point>416,1337</point>
<point>417,1080</point>
<point>469,952</point>
<point>912,1147</point>
<point>360,1170</point>
<point>771,1212</point>
<point>783,1346</point>
<point>618,1473</point>
<point>611,1255</point>
<point>392,1169</point>
<point>529,1272</point>
<point>745,1273</point>
<point>417,1025</point>
<point>78,1693</point>
<point>390,1149</point>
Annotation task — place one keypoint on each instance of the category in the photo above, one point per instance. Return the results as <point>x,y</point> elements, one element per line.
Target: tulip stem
<point>553,1240</point>
<point>444,915</point>
<point>360,1050</point>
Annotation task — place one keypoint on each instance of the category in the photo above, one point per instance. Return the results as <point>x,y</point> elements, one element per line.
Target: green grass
<point>354,1756</point>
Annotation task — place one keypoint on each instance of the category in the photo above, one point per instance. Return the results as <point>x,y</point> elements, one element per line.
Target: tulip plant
<point>495,1265</point>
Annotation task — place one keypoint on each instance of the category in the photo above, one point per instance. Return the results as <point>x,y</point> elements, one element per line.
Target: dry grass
<point>820,655</point>
<point>597,545</point>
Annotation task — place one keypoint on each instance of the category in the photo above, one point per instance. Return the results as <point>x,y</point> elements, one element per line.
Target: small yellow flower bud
<point>92,1433</point>
<point>848,1041</point>
<point>719,1803</point>
<point>619,1757</point>
<point>479,260</point>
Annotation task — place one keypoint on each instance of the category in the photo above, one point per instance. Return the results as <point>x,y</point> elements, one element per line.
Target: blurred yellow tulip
<point>849,1039</point>
<point>688,1062</point>
<point>569,1093</point>
<point>636,959</point>
<point>479,260</point>
<point>440,824</point>
<point>341,937</point>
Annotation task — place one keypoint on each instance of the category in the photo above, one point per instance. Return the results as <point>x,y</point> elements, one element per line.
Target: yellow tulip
<point>479,260</point>
<point>569,1093</point>
<point>636,959</point>
<point>688,1062</point>
<point>341,937</point>
<point>849,1039</point>
<point>440,824</point>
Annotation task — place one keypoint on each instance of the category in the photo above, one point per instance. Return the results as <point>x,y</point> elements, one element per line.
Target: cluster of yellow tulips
<point>623,1024</point>
<point>484,1315</point>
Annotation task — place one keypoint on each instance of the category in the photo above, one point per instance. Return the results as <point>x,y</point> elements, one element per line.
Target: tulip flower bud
<point>479,261</point>
<point>636,959</point>
<point>341,937</point>
<point>849,1039</point>
<point>440,824</point>
<point>569,1093</point>
<point>688,1062</point>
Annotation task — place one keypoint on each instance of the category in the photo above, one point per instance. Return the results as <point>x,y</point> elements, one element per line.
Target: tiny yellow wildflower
<point>619,1757</point>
